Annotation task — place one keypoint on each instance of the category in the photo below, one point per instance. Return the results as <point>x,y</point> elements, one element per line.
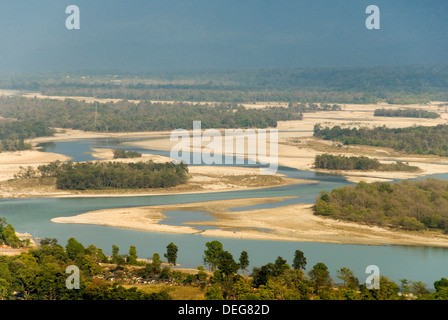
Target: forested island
<point>411,140</point>
<point>410,205</point>
<point>119,175</point>
<point>410,112</point>
<point>332,162</point>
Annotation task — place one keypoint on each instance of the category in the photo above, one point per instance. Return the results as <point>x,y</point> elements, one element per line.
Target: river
<point>426,264</point>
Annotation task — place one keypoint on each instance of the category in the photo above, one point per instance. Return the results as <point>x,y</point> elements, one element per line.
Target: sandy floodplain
<point>287,223</point>
<point>296,149</point>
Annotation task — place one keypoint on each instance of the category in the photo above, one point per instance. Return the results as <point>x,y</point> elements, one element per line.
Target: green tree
<point>74,248</point>
<point>153,268</point>
<point>214,293</point>
<point>226,264</point>
<point>320,276</point>
<point>442,283</point>
<point>347,275</point>
<point>299,262</point>
<point>165,273</point>
<point>171,253</point>
<point>132,257</point>
<point>244,261</point>
<point>4,289</point>
<point>388,290</point>
<point>202,276</point>
<point>116,258</point>
<point>212,254</point>
<point>419,289</point>
<point>280,266</point>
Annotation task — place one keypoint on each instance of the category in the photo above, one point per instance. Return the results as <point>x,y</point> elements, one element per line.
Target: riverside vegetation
<point>412,140</point>
<point>332,162</point>
<point>103,175</point>
<point>409,112</point>
<point>410,205</point>
<point>39,274</point>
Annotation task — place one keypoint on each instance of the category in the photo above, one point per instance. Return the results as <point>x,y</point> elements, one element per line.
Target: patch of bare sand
<point>288,223</point>
<point>148,218</point>
<point>11,161</point>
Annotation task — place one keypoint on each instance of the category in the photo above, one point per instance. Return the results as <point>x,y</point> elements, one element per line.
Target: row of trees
<point>280,281</point>
<point>100,175</point>
<point>124,116</point>
<point>40,274</point>
<point>409,112</point>
<point>310,107</point>
<point>411,205</point>
<point>413,140</point>
<point>337,162</point>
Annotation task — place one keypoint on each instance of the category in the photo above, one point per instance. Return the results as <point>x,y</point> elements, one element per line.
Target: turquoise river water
<point>426,264</point>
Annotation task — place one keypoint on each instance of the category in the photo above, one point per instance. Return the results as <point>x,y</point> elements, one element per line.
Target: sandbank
<point>288,223</point>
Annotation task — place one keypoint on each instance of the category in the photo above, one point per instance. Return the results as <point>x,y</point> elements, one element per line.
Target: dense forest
<point>411,205</point>
<point>332,162</point>
<point>127,116</point>
<point>40,274</point>
<point>412,140</point>
<point>392,84</point>
<point>410,113</point>
<point>101,175</point>
<point>13,133</point>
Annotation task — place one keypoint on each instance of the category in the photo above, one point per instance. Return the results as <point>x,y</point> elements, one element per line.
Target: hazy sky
<point>145,35</point>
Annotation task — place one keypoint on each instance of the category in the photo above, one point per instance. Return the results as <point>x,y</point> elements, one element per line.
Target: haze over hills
<point>142,36</point>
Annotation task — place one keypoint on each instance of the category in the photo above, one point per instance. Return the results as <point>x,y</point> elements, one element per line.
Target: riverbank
<point>285,223</point>
<point>204,179</point>
<point>10,162</point>
<point>297,147</point>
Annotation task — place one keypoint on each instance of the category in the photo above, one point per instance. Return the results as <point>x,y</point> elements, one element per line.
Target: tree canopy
<point>412,205</point>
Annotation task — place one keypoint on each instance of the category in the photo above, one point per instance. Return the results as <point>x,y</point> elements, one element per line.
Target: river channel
<point>33,215</point>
